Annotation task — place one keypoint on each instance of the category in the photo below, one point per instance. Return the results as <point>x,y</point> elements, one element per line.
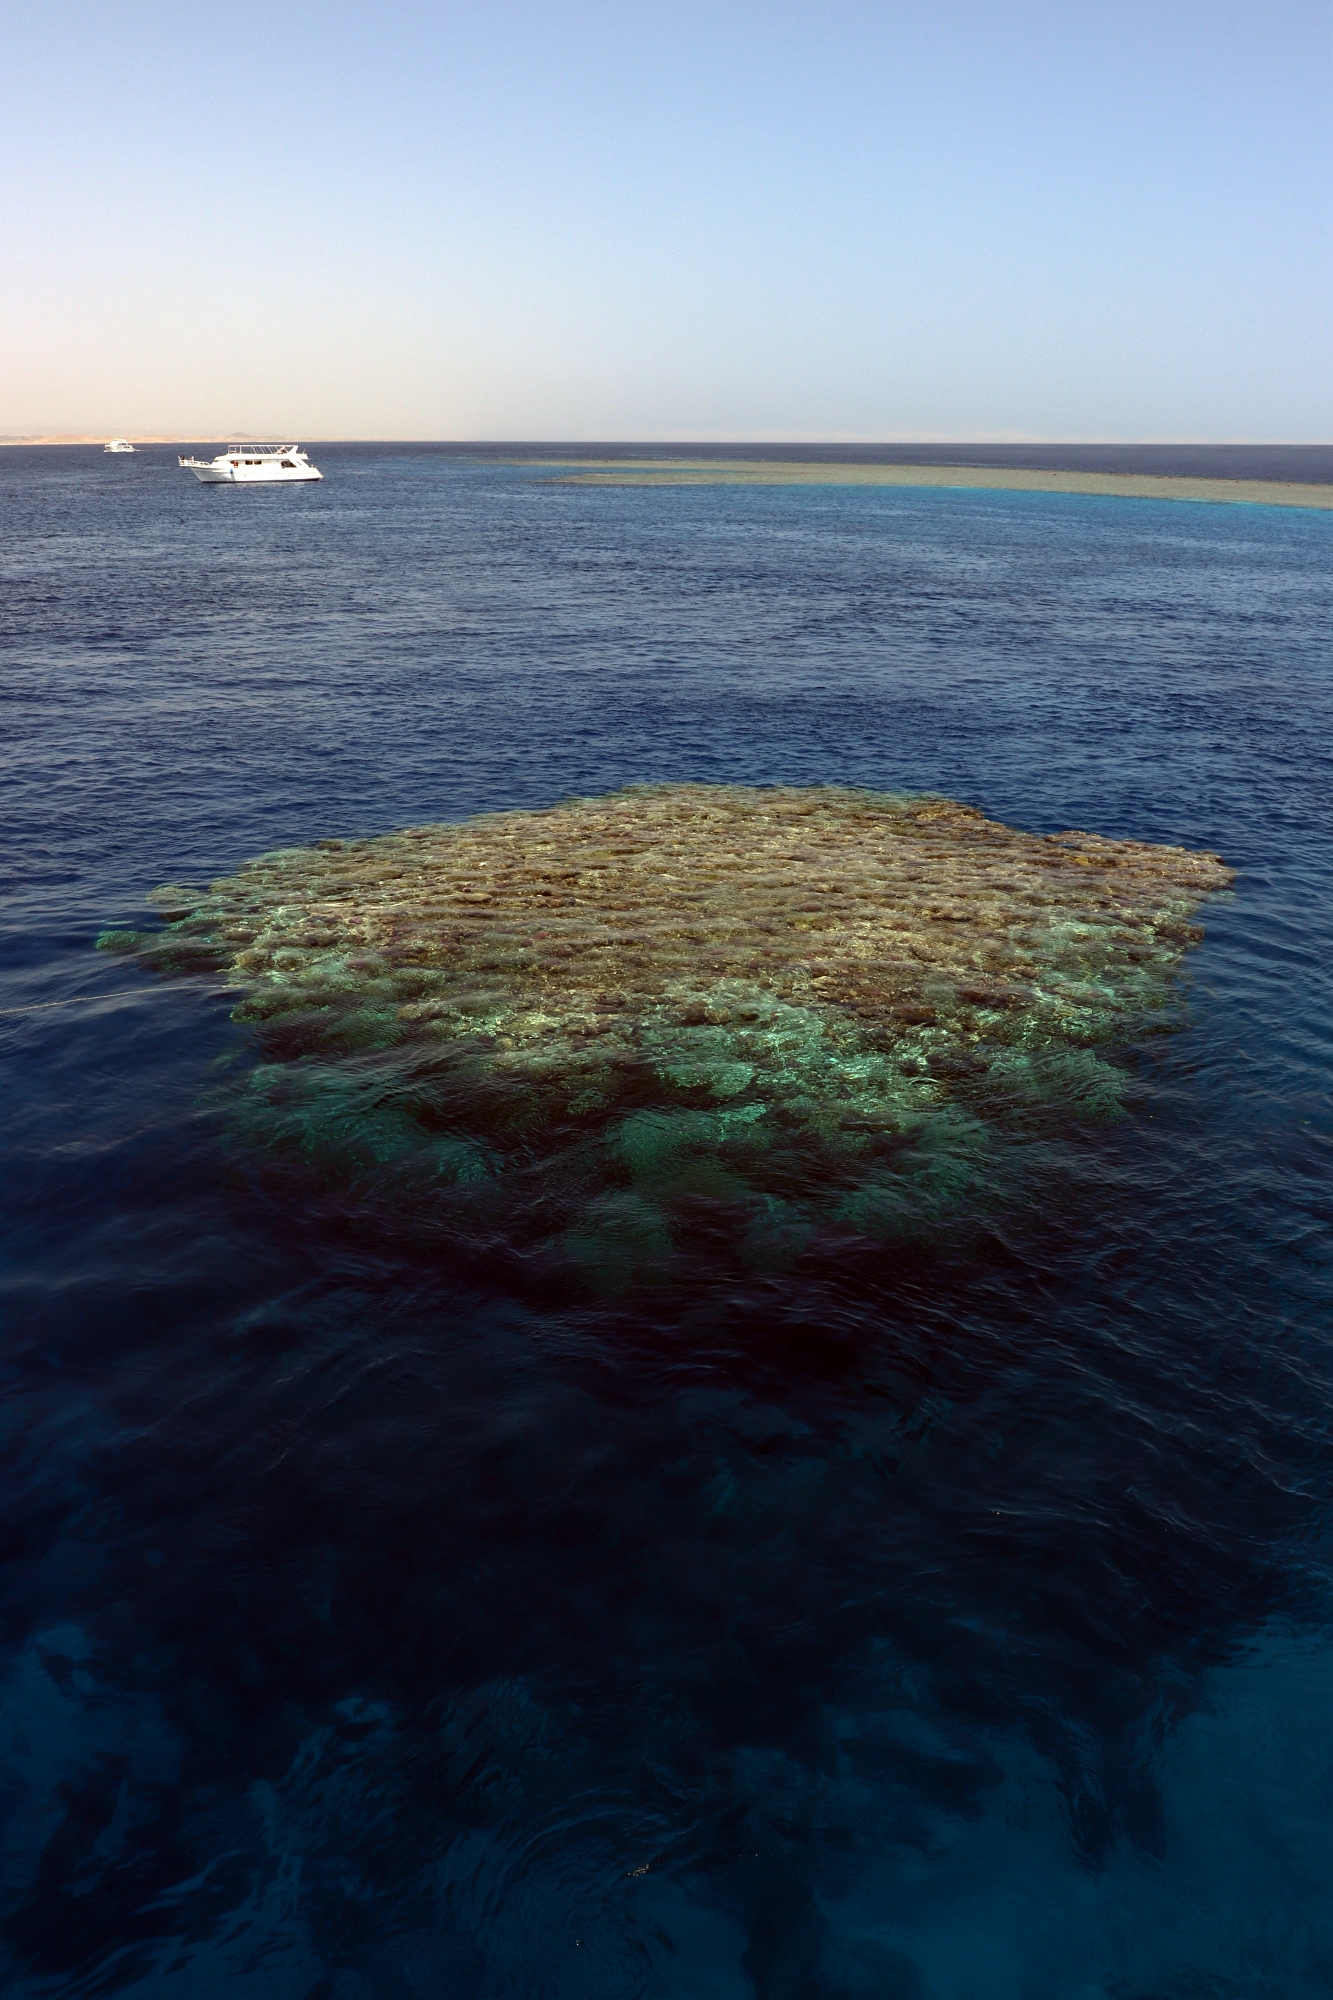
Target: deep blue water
<point>937,1627</point>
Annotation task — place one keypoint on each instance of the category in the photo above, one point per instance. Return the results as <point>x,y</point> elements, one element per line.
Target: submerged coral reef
<point>629,1028</point>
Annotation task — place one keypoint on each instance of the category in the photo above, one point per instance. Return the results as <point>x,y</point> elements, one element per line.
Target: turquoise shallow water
<point>916,1623</point>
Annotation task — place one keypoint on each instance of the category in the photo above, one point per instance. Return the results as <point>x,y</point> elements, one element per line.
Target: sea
<point>951,1621</point>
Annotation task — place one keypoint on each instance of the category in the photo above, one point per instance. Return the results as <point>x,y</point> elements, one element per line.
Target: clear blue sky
<point>685,221</point>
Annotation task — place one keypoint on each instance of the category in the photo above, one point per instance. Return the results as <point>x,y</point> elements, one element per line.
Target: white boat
<point>118,444</point>
<point>253,465</point>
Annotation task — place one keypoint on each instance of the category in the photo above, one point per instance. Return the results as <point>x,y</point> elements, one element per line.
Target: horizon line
<point>769,439</point>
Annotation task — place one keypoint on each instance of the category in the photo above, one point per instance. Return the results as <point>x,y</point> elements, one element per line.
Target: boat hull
<point>208,475</point>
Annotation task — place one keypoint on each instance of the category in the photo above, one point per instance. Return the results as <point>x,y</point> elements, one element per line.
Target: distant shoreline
<point>1012,479</point>
<point>28,443</point>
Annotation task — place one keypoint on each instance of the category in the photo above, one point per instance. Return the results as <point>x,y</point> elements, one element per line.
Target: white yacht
<point>253,464</point>
<point>118,444</point>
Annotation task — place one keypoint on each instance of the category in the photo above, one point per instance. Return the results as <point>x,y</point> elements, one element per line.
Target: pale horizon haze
<point>686,222</point>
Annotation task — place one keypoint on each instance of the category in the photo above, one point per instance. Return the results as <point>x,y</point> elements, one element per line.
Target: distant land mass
<point>130,437</point>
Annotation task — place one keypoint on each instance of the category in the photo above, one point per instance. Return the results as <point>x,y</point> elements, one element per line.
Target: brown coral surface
<point>996,478</point>
<point>600,1026</point>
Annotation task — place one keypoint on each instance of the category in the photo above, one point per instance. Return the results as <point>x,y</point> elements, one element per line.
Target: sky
<point>677,222</point>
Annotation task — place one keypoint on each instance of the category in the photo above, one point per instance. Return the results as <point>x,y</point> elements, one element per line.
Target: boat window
<point>287,465</point>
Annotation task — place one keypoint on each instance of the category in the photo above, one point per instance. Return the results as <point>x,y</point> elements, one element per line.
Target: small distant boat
<point>118,444</point>
<point>253,464</point>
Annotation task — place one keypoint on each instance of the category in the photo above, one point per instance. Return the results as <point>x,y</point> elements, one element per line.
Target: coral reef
<point>993,478</point>
<point>685,1015</point>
